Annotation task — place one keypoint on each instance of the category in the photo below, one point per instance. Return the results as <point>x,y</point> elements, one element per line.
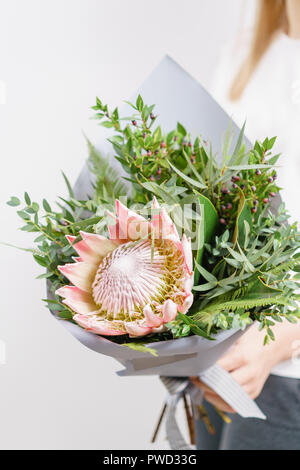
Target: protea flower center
<point>134,275</point>
<point>129,285</point>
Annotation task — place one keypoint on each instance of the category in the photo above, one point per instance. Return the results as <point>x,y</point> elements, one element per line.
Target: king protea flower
<point>133,283</point>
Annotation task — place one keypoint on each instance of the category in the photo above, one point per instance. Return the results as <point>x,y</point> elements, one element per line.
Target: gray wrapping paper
<point>179,98</point>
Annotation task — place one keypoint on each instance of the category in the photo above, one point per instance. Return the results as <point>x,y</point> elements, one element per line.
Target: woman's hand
<point>250,362</point>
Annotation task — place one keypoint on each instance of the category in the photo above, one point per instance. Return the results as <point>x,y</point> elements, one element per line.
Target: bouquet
<point>163,267</point>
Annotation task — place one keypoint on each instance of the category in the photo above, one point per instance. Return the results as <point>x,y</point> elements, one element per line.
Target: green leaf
<point>194,326</point>
<point>107,124</point>
<point>41,261</point>
<point>139,103</point>
<point>141,348</point>
<point>259,295</point>
<point>35,207</point>
<point>23,215</point>
<point>180,129</point>
<point>207,228</point>
<point>187,178</point>
<point>27,199</point>
<point>205,287</point>
<point>248,167</point>
<point>207,275</point>
<point>85,222</point>
<point>193,169</point>
<point>162,193</point>
<point>65,314</point>
<point>243,214</point>
<point>237,148</point>
<point>46,206</point>
<point>273,160</point>
<point>14,201</point>
<point>44,275</point>
<point>70,190</point>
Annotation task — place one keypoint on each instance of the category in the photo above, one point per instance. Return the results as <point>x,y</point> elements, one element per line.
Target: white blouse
<point>270,104</point>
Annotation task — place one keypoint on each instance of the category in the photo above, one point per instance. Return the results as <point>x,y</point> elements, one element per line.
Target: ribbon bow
<point>221,382</point>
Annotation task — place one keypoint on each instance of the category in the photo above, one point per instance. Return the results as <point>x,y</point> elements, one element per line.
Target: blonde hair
<point>271,18</point>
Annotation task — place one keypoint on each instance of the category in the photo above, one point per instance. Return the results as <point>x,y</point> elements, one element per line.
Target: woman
<point>260,81</point>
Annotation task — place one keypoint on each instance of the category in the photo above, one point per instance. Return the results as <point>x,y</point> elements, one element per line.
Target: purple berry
<point>159,171</point>
<point>255,202</point>
<point>229,206</point>
<point>253,188</point>
<point>235,178</point>
<point>156,152</point>
<point>254,210</point>
<point>270,179</point>
<point>151,178</point>
<point>258,172</point>
<point>272,194</point>
<point>243,186</point>
<point>152,116</point>
<point>222,221</point>
<point>144,135</point>
<point>163,144</point>
<point>190,144</point>
<point>235,186</point>
<point>149,153</point>
<point>175,138</point>
<point>266,200</point>
<point>134,123</point>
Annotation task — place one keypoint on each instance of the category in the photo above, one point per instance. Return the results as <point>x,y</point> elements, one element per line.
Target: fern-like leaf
<point>108,184</point>
<point>285,267</point>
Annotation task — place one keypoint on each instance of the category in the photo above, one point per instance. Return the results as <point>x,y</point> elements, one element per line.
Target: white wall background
<point>55,57</point>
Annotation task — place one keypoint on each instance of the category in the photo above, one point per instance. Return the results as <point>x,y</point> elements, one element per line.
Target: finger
<point>231,360</point>
<point>242,376</point>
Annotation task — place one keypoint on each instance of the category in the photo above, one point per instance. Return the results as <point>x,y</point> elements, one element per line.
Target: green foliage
<point>207,227</point>
<point>246,259</point>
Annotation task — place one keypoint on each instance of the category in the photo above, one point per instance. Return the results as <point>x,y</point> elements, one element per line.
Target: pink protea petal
<point>114,229</point>
<point>70,239</point>
<point>125,214</point>
<point>152,320</point>
<point>86,253</point>
<point>188,283</point>
<point>187,303</point>
<point>135,329</point>
<point>80,274</point>
<point>129,225</point>
<point>100,327</point>
<point>156,218</point>
<point>77,299</point>
<point>98,244</point>
<point>169,310</point>
<point>155,204</point>
<point>168,230</point>
<point>187,252</point>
